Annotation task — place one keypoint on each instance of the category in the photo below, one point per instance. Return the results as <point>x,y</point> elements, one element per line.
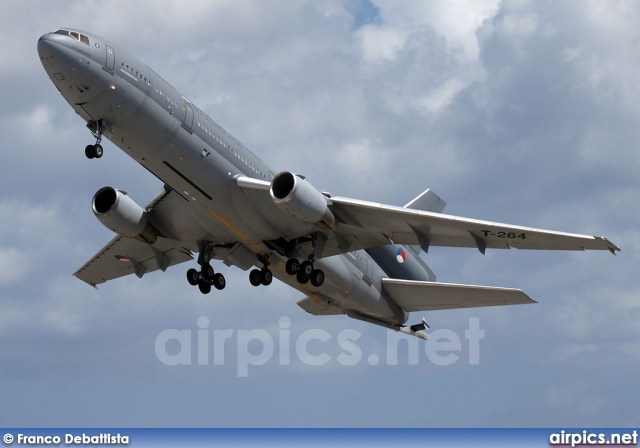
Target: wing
<point>363,224</point>
<point>426,296</point>
<point>123,256</point>
<point>408,226</point>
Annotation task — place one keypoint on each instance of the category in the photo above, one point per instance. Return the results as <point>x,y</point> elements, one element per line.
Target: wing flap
<point>427,296</point>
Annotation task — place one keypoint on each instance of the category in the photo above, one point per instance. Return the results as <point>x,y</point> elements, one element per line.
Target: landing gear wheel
<point>301,278</point>
<point>219,281</point>
<point>93,151</point>
<point>193,277</point>
<point>207,273</point>
<point>266,277</point>
<point>204,287</point>
<point>306,268</point>
<point>292,266</point>
<point>317,277</point>
<point>255,277</point>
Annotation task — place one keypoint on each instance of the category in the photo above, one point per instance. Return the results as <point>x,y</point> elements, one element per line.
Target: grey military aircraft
<point>222,202</point>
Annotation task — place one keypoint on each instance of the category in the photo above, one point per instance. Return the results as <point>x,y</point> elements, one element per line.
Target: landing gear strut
<point>95,151</point>
<point>206,277</point>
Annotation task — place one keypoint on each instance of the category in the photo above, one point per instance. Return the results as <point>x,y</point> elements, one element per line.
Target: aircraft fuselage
<point>167,134</point>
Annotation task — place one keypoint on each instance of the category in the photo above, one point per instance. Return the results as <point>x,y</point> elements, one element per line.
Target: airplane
<point>219,200</point>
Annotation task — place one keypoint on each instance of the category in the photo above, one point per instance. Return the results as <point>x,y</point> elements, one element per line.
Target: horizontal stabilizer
<point>313,306</point>
<point>426,296</point>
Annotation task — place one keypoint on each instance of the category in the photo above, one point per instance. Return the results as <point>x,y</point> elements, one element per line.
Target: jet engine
<point>119,213</point>
<point>301,200</point>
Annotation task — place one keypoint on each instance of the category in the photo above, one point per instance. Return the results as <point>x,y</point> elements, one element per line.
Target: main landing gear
<point>206,277</point>
<point>95,151</point>
<point>262,276</point>
<point>305,272</point>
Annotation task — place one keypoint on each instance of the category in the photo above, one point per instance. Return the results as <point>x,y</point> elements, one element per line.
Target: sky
<point>512,111</point>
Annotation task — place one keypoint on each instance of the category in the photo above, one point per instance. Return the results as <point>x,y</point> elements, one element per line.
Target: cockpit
<point>77,36</point>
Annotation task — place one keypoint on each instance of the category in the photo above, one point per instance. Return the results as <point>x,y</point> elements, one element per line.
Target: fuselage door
<point>188,115</point>
<point>110,62</point>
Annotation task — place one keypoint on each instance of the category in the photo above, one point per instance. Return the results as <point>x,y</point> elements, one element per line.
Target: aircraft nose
<point>47,45</point>
<point>56,53</point>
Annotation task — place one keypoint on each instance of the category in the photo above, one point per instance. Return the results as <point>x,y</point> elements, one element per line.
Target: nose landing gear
<point>95,151</point>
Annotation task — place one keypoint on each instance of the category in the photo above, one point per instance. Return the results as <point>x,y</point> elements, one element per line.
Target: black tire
<point>219,281</point>
<point>254,277</point>
<point>207,273</point>
<point>204,287</point>
<point>193,277</point>
<point>301,278</point>
<point>306,268</point>
<point>292,266</point>
<point>97,150</point>
<point>88,151</point>
<point>266,277</point>
<point>317,277</point>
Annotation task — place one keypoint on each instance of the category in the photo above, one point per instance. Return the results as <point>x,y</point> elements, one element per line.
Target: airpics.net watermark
<point>312,347</point>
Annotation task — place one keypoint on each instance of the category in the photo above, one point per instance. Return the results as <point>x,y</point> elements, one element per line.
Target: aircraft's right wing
<point>123,256</point>
<point>426,296</point>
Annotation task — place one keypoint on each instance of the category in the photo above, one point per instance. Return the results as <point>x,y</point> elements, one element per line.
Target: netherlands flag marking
<point>122,258</point>
<point>401,255</point>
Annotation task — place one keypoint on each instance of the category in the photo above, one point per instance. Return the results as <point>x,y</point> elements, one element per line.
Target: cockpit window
<point>77,36</point>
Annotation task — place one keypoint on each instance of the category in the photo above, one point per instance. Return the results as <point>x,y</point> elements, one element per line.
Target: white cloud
<point>14,265</point>
<point>443,96</point>
<point>514,125</point>
<point>381,44</point>
<point>456,21</point>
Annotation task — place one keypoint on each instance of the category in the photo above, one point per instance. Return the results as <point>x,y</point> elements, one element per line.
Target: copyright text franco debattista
<point>67,439</point>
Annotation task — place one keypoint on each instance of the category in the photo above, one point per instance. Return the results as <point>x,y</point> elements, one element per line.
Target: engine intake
<point>301,200</point>
<point>119,213</point>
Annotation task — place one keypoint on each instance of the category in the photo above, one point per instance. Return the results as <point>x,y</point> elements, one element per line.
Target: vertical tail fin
<point>427,201</point>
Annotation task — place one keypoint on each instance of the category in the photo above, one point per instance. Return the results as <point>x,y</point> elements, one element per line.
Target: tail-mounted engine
<point>119,213</point>
<point>301,200</point>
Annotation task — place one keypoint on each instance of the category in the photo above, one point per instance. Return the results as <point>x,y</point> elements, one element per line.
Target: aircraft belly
<point>202,178</point>
<point>346,286</point>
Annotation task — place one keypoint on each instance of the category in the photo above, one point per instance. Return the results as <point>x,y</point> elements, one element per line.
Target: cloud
<point>512,111</point>
<point>14,265</point>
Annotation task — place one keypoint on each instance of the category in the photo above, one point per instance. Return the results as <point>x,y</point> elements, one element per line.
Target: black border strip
<point>187,180</point>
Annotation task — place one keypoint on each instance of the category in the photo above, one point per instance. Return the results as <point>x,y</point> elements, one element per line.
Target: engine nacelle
<point>301,200</point>
<point>119,213</point>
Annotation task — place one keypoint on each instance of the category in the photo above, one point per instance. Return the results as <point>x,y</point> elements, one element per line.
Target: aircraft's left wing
<point>363,224</point>
<point>123,256</point>
<point>408,226</point>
